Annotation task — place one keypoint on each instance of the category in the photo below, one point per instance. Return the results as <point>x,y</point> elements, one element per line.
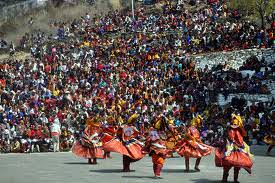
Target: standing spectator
<point>55,131</point>
<point>12,49</point>
<point>44,119</point>
<point>7,135</point>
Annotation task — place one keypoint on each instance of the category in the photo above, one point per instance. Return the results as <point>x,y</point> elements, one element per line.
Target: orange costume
<point>235,153</point>
<point>192,146</point>
<point>158,161</point>
<point>126,144</point>
<point>89,146</point>
<point>109,131</point>
<point>157,150</point>
<point>108,134</point>
<point>270,139</point>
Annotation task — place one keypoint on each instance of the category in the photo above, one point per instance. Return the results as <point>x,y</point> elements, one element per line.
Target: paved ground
<point>65,168</point>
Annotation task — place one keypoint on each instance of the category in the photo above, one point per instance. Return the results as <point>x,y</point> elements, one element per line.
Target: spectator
<point>55,132</point>
<point>113,66</point>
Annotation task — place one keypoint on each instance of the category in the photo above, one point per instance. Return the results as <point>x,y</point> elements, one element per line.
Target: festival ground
<point>66,168</point>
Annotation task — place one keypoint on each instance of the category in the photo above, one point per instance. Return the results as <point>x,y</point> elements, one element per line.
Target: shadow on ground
<point>109,171</point>
<point>178,171</point>
<point>138,177</point>
<point>76,163</point>
<point>259,152</point>
<point>264,155</point>
<point>174,157</point>
<point>206,181</point>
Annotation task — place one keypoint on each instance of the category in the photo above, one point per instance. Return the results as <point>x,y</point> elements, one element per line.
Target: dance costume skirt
<point>105,137</point>
<point>233,156</point>
<point>192,149</point>
<point>87,152</point>
<point>131,148</point>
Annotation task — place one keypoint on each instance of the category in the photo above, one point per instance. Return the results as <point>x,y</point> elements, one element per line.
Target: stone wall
<point>234,59</point>
<point>250,98</point>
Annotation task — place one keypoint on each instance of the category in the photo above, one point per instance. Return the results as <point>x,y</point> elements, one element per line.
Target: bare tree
<point>261,7</point>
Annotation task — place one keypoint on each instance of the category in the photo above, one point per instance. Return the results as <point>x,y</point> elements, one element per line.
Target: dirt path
<point>17,56</point>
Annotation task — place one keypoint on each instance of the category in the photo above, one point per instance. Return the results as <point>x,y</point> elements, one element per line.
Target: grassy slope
<point>15,29</point>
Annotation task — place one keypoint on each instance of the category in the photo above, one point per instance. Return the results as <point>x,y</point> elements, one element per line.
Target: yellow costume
<point>270,139</point>
<point>197,121</point>
<point>133,118</point>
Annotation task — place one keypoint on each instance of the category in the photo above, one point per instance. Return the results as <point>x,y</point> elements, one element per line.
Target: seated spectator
<point>16,146</point>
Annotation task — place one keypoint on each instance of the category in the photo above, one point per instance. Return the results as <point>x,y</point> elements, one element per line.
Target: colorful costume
<point>108,134</point>
<point>270,139</point>
<point>166,131</point>
<point>89,146</point>
<point>235,153</point>
<point>171,142</point>
<point>191,146</point>
<point>126,144</point>
<point>172,138</point>
<point>157,150</point>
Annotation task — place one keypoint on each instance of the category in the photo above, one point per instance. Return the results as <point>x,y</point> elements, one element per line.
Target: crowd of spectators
<point>114,66</point>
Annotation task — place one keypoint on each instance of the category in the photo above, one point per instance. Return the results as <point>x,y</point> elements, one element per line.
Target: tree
<point>246,7</point>
<point>259,8</point>
<point>262,7</point>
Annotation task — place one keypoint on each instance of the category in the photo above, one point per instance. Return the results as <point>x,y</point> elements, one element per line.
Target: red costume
<point>192,146</point>
<point>126,144</point>
<point>89,146</point>
<point>107,135</point>
<point>235,153</point>
<point>157,150</point>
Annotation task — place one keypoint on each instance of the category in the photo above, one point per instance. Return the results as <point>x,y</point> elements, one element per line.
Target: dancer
<point>270,139</point>
<point>235,153</point>
<point>171,140</point>
<point>166,130</point>
<point>191,146</point>
<point>90,146</point>
<point>157,150</point>
<point>126,144</point>
<point>109,132</point>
